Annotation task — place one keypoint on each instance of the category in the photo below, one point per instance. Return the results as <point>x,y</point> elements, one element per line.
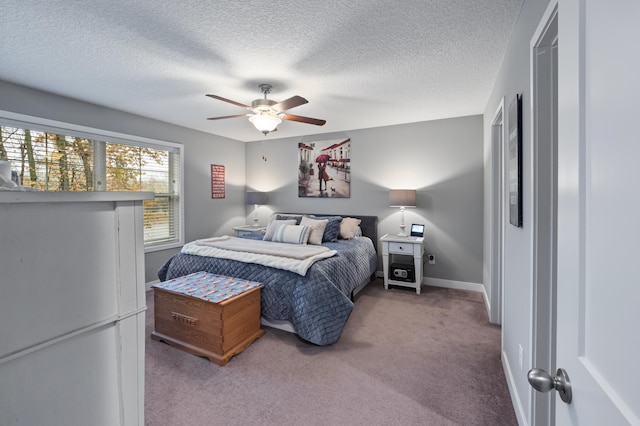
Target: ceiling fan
<point>267,114</point>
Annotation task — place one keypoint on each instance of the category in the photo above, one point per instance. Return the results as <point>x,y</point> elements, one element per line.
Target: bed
<point>317,304</point>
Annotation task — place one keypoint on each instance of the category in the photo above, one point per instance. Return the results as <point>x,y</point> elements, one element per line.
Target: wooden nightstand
<point>402,261</point>
<point>250,231</point>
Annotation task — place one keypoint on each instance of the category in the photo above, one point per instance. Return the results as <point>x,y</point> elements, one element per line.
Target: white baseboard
<point>439,282</point>
<point>147,286</point>
<point>458,285</point>
<point>511,385</point>
<point>487,302</point>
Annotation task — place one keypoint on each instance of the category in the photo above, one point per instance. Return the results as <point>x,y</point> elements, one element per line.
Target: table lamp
<point>402,198</point>
<point>256,198</point>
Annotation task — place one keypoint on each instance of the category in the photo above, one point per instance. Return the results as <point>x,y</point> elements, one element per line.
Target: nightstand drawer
<point>401,248</point>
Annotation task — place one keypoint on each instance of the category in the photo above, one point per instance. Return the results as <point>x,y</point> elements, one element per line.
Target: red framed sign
<point>217,181</point>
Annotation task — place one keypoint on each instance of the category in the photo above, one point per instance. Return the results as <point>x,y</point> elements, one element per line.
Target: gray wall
<point>441,159</point>
<point>203,216</point>
<point>514,77</point>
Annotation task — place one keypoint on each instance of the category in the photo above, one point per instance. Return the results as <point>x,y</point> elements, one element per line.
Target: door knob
<point>542,381</point>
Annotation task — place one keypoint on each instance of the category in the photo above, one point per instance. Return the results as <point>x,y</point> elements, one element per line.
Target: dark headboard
<point>368,224</point>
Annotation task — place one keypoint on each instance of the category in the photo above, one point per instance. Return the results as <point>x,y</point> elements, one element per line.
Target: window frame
<point>8,118</point>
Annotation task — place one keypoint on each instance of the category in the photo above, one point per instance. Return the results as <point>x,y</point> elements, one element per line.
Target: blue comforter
<point>318,304</point>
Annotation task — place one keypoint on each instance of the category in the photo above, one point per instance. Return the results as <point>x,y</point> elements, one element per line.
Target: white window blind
<point>59,159</point>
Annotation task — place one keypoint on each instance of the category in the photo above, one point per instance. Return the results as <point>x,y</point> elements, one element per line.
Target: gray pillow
<point>273,228</point>
<point>296,217</point>
<point>332,230</point>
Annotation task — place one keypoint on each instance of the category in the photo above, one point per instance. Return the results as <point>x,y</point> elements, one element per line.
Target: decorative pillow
<point>292,234</point>
<point>332,229</point>
<point>273,227</point>
<point>348,228</point>
<point>296,217</point>
<point>281,216</point>
<point>317,229</point>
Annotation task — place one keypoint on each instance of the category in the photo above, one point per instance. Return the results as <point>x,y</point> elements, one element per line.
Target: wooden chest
<point>217,327</point>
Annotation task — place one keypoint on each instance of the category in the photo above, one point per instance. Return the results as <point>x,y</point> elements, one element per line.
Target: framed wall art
<point>515,161</point>
<point>217,181</point>
<point>324,169</point>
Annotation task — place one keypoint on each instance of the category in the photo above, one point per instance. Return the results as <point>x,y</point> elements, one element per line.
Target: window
<point>71,159</point>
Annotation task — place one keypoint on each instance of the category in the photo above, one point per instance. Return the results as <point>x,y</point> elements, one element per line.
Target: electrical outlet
<point>432,259</point>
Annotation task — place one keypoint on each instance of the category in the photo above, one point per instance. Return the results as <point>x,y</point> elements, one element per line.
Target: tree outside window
<point>58,162</point>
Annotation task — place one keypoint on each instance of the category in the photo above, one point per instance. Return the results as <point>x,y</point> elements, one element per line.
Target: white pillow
<point>292,234</point>
<point>348,227</point>
<point>273,227</point>
<point>317,228</point>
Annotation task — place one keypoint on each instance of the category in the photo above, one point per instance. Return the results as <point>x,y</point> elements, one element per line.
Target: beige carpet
<point>402,359</point>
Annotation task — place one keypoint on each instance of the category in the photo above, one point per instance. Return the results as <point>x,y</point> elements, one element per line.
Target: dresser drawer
<point>401,248</point>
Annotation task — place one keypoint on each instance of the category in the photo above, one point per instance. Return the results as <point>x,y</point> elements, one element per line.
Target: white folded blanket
<point>290,257</point>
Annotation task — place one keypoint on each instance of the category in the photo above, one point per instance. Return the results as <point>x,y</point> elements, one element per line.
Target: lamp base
<point>402,225</point>
<point>255,216</point>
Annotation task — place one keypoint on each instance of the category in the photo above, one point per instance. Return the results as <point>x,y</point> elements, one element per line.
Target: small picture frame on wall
<point>515,161</point>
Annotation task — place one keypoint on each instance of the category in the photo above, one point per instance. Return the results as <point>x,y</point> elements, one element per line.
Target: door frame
<point>497,214</point>
<point>544,137</point>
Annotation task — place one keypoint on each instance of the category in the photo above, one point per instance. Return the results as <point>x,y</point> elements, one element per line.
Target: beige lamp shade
<point>402,198</point>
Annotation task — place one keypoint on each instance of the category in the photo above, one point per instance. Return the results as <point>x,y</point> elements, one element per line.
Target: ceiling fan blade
<point>229,116</point>
<point>302,119</point>
<point>292,102</point>
<point>220,98</point>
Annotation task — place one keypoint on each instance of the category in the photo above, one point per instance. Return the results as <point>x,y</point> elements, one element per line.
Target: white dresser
<point>72,305</point>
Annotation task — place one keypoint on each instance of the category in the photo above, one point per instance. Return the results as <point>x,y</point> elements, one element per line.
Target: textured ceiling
<point>360,63</point>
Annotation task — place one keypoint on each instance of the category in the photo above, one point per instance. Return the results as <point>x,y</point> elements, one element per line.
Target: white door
<point>598,293</point>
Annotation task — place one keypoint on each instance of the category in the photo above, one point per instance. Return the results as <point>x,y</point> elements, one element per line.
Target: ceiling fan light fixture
<point>267,114</point>
<point>265,122</point>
